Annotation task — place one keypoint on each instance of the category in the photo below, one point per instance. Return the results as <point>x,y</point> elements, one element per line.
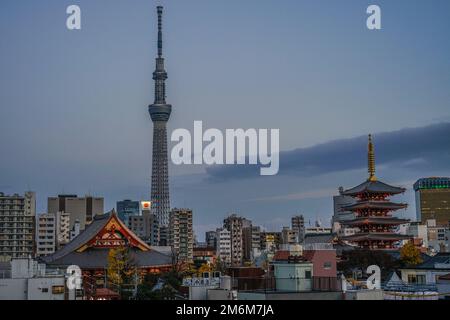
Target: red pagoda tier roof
<point>375,220</point>
<point>374,204</point>
<point>376,236</point>
<point>375,187</point>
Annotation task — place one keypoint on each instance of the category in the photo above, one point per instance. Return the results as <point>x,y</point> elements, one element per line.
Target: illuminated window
<point>57,289</point>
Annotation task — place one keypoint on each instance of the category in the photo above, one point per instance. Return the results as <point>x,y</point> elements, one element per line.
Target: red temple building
<point>373,211</point>
<point>90,249</point>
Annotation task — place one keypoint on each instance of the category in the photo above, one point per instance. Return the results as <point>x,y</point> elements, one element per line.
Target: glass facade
<point>126,209</point>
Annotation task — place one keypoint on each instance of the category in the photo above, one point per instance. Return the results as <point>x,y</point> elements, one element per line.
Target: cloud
<point>410,148</point>
<point>314,194</point>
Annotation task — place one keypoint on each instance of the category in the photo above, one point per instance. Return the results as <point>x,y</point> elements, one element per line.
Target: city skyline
<point>93,133</point>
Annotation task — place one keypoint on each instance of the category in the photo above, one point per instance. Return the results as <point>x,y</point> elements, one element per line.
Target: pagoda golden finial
<point>371,160</point>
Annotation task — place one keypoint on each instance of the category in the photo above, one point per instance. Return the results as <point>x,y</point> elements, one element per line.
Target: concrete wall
<point>364,295</point>
<point>220,294</point>
<point>13,289</point>
<point>41,288</point>
<point>292,276</point>
<point>291,296</point>
<point>199,293</point>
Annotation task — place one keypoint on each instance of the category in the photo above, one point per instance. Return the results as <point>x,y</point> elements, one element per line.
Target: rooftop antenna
<point>371,160</point>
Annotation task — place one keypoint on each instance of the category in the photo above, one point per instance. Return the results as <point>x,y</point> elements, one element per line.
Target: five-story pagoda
<point>373,210</point>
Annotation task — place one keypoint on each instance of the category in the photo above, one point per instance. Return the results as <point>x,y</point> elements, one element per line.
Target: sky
<point>73,104</point>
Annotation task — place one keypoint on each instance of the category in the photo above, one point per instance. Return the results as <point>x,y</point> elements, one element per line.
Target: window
<point>327,265</point>
<point>44,290</point>
<point>58,289</point>
<point>416,279</point>
<point>307,274</point>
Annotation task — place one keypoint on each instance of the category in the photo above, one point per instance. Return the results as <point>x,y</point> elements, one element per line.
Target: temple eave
<point>375,237</point>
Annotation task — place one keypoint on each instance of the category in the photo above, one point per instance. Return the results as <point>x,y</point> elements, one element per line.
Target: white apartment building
<point>52,232</point>
<point>45,234</point>
<point>181,235</point>
<point>62,229</point>
<point>224,245</point>
<point>17,225</point>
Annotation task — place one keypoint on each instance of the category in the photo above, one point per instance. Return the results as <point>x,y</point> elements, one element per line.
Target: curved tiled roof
<point>375,220</point>
<point>98,257</point>
<point>373,187</point>
<point>91,230</point>
<point>373,204</point>
<point>376,236</point>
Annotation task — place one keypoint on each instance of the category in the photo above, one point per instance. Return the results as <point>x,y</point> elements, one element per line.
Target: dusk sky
<point>73,104</point>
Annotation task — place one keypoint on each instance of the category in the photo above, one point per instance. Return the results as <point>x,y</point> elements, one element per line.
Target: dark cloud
<point>410,148</point>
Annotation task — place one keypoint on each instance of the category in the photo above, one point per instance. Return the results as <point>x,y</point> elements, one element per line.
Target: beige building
<point>181,234</point>
<point>235,224</point>
<point>52,232</point>
<point>83,209</point>
<point>289,236</point>
<point>17,225</point>
<point>223,248</point>
<point>145,226</point>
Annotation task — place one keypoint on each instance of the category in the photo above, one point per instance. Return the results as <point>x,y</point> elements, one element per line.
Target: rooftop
<point>432,183</point>
<point>373,187</point>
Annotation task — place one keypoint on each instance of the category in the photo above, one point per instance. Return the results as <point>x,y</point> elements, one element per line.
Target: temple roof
<point>91,247</point>
<point>376,236</point>
<point>98,259</point>
<point>376,186</point>
<point>374,204</point>
<point>375,220</point>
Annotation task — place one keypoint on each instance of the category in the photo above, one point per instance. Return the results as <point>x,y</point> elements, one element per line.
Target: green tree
<point>122,271</point>
<point>410,254</point>
<point>168,291</point>
<point>219,265</point>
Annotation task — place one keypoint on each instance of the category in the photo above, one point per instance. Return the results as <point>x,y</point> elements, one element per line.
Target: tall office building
<point>126,209</point>
<point>433,200</point>
<point>234,224</point>
<point>181,234</point>
<point>17,225</point>
<point>160,114</point>
<point>246,239</point>
<point>298,225</point>
<point>211,239</point>
<point>83,209</point>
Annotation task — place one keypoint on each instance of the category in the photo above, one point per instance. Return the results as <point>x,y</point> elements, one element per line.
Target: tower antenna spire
<point>160,113</point>
<point>371,160</point>
<point>160,42</point>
